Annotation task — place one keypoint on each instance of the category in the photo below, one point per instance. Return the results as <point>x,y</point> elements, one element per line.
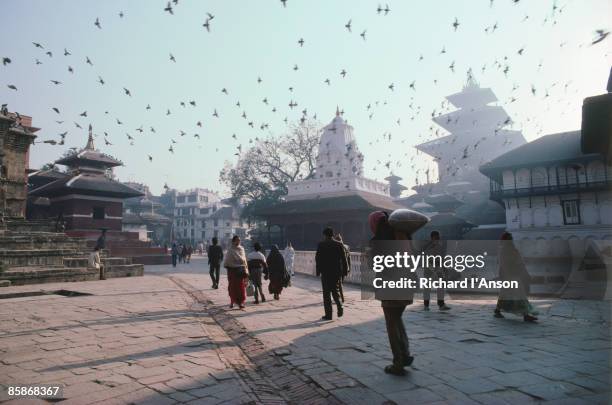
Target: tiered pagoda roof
<point>87,175</point>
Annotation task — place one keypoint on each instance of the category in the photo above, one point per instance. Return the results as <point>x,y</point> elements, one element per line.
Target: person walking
<point>400,225</point>
<point>434,248</point>
<point>184,254</point>
<point>174,251</point>
<point>189,253</point>
<point>331,264</point>
<point>276,272</point>
<point>215,256</point>
<point>237,273</point>
<point>512,268</point>
<point>347,251</point>
<point>289,255</point>
<point>257,265</point>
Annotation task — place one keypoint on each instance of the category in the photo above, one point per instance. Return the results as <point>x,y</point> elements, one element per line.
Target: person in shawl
<point>289,255</point>
<point>257,264</point>
<point>512,268</point>
<point>237,272</point>
<point>276,272</point>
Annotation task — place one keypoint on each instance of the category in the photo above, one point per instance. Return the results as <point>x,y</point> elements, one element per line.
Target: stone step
<point>18,258</point>
<point>39,275</point>
<point>107,261</point>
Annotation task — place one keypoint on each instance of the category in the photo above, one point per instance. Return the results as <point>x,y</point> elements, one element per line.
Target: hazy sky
<point>251,39</point>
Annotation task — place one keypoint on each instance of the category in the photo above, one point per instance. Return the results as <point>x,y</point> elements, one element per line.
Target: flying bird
<point>127,92</point>
<point>601,35</point>
<point>301,42</point>
<point>169,9</point>
<point>348,25</point>
<point>363,34</point>
<point>56,109</point>
<point>88,61</point>
<point>172,58</point>
<point>36,44</point>
<point>97,23</point>
<point>66,53</point>
<point>6,61</point>
<point>456,24</point>
<point>56,82</point>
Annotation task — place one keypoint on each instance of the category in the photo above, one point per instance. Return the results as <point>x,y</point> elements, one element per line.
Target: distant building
<point>338,195</point>
<point>201,214</point>
<point>143,215</point>
<point>477,134</point>
<point>552,190</point>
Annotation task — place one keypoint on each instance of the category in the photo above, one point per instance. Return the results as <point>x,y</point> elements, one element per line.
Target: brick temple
<point>85,197</point>
<point>33,251</point>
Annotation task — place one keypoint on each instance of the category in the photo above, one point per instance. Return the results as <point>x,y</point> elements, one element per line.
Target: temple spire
<point>337,111</point>
<point>90,141</point>
<point>471,82</point>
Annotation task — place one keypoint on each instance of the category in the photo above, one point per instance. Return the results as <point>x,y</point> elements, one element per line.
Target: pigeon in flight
<point>97,23</point>
<point>348,25</point>
<point>601,35</point>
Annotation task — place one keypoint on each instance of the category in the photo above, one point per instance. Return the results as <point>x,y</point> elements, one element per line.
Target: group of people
<point>333,264</point>
<point>181,253</point>
<point>400,225</point>
<point>243,269</point>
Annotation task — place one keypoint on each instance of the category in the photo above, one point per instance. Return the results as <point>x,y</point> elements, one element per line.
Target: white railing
<point>304,263</point>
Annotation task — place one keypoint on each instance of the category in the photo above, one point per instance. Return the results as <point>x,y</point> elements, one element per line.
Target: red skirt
<point>236,286</point>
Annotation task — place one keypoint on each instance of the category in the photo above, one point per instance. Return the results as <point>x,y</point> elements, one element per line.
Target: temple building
<point>477,133</point>
<point>457,201</point>
<point>86,197</point>
<point>558,199</point>
<point>16,136</point>
<point>142,214</point>
<point>338,195</point>
<point>34,251</point>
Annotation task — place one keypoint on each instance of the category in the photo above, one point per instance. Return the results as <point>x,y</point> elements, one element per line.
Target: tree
<point>262,173</point>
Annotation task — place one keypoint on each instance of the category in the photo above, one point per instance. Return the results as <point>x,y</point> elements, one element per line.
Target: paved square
<point>168,338</point>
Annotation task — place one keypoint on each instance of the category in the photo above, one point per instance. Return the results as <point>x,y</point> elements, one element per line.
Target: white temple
<point>339,167</point>
<point>477,135</point>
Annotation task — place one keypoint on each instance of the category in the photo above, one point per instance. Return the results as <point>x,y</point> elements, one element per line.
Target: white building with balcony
<point>551,190</point>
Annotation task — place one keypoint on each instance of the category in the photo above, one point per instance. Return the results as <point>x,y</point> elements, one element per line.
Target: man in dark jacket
<point>215,256</point>
<point>331,265</point>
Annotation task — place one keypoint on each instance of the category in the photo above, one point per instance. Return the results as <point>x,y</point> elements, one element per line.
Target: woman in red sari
<point>237,273</point>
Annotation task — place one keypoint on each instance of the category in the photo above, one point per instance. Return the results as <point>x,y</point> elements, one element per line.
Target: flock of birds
<point>502,64</point>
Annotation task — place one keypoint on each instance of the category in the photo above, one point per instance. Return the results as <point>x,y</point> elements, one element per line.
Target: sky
<point>251,39</point>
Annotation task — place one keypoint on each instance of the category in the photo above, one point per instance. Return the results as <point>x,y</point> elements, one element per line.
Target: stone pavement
<point>168,338</point>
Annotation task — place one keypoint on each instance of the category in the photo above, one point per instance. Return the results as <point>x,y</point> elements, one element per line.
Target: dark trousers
<point>214,273</point>
<point>398,340</point>
<point>174,260</point>
<point>434,274</point>
<point>330,290</point>
<point>255,276</point>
